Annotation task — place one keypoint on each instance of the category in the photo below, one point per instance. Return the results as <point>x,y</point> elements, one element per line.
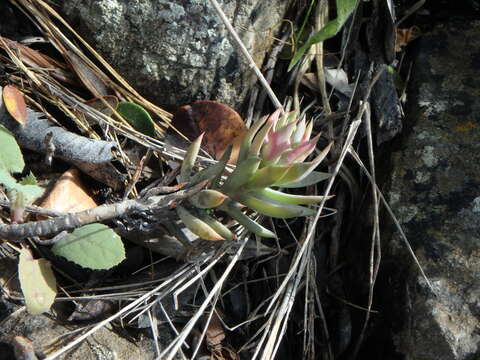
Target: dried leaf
<point>69,194</point>
<point>215,333</point>
<point>35,58</point>
<point>86,74</point>
<point>38,282</point>
<point>221,124</point>
<point>93,310</point>
<point>105,104</point>
<point>15,103</point>
<point>100,104</point>
<point>404,36</point>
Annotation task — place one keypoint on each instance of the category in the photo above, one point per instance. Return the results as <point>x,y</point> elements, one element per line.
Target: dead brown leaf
<point>222,126</point>
<point>68,194</point>
<point>404,36</point>
<point>35,58</point>
<point>86,75</point>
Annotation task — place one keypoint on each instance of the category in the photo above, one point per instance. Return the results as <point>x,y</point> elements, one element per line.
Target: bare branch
<point>101,213</point>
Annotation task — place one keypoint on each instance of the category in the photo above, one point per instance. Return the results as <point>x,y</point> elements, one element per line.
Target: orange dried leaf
<point>68,194</point>
<point>404,36</point>
<point>222,126</point>
<point>15,103</point>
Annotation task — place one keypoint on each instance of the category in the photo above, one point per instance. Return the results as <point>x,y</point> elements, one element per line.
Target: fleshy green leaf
<point>197,226</point>
<point>216,225</point>
<point>241,174</point>
<point>190,158</point>
<point>233,209</point>
<point>262,135</point>
<point>137,116</point>
<point>207,199</point>
<point>267,176</point>
<point>311,179</point>
<point>37,281</point>
<point>247,140</point>
<point>289,198</point>
<point>299,171</point>
<point>93,246</point>
<point>11,158</point>
<point>213,172</point>
<point>344,9</point>
<point>274,208</point>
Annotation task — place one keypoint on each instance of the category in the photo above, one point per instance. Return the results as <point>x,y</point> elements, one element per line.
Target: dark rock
<point>435,192</point>
<point>48,336</point>
<point>175,52</point>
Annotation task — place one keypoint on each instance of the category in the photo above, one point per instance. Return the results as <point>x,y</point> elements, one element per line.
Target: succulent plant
<point>272,155</point>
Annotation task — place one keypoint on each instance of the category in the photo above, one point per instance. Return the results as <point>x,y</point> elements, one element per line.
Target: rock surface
<point>435,192</point>
<point>49,335</point>
<point>176,52</point>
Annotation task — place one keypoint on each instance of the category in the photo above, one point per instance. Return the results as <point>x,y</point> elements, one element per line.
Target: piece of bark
<point>68,146</point>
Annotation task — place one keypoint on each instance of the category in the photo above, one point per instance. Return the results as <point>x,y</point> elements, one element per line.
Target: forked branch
<point>98,214</point>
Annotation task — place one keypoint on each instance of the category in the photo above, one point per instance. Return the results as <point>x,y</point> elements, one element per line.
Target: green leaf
<point>289,198</point>
<point>189,159</point>
<point>206,199</point>
<point>298,171</point>
<point>241,174</point>
<point>37,281</point>
<point>93,246</point>
<point>216,225</point>
<point>212,172</point>
<point>30,192</point>
<point>311,179</point>
<point>266,206</point>
<point>11,158</point>
<point>344,10</point>
<point>197,226</point>
<point>233,209</point>
<point>137,116</point>
<point>30,179</point>
<point>267,176</point>
<point>248,138</point>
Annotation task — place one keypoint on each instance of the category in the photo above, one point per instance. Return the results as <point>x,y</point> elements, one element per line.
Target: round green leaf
<point>11,158</point>
<point>93,246</point>
<point>137,116</point>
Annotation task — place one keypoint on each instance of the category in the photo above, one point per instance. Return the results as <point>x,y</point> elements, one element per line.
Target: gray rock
<point>435,192</point>
<point>49,336</point>
<point>175,52</point>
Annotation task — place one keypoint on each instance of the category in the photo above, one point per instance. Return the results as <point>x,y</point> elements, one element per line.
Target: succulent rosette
<point>272,158</point>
